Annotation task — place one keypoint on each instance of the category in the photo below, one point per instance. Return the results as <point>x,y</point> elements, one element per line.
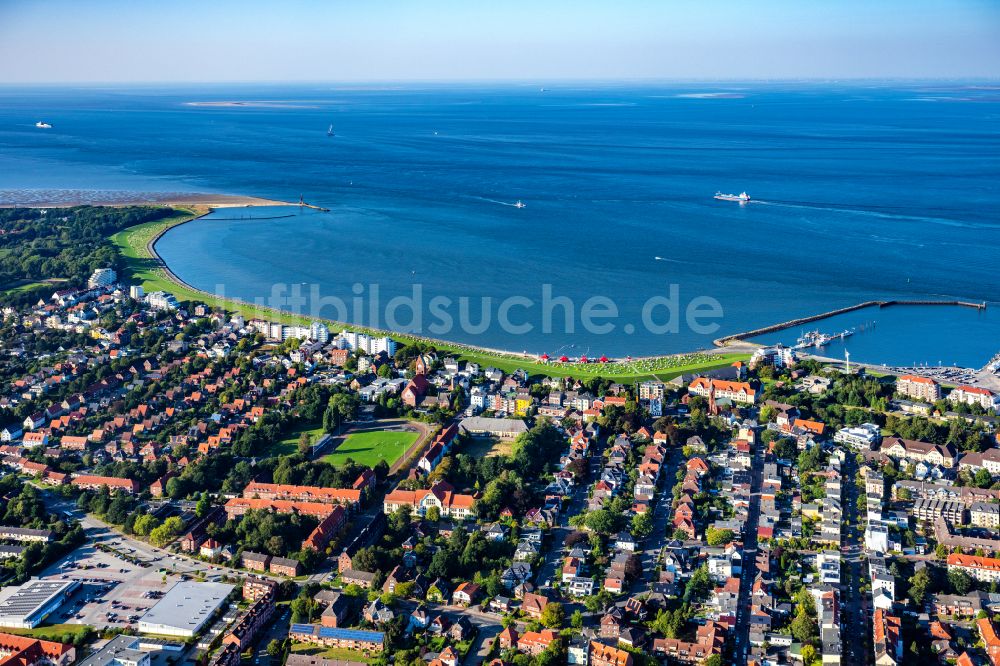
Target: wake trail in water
<point>497,201</point>
<point>667,260</point>
<point>858,211</point>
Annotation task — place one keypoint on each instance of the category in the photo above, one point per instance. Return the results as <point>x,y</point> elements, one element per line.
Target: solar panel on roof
<point>350,634</point>
<point>302,628</point>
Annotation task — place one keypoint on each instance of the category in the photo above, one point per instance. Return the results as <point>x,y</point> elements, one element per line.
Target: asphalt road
<point>278,629</point>
<point>551,568</point>
<point>661,521</point>
<point>742,632</point>
<point>854,629</point>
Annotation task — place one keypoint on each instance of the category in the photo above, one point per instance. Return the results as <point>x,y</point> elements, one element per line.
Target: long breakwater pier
<point>739,337</point>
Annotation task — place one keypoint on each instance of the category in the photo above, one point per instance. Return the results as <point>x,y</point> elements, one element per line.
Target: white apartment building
<point>319,332</point>
<point>920,388</point>
<point>863,436</point>
<point>355,341</point>
<point>102,277</point>
<point>161,300</point>
<point>973,395</point>
<point>877,538</point>
<point>778,356</point>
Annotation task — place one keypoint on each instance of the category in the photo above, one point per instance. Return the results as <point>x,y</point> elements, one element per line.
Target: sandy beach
<point>52,198</point>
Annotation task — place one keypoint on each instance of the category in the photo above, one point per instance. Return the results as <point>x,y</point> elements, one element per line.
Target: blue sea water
<point>882,191</point>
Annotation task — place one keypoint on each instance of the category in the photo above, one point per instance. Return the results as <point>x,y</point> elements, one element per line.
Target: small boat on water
<point>742,197</point>
<point>520,204</point>
<point>329,132</point>
<point>43,125</point>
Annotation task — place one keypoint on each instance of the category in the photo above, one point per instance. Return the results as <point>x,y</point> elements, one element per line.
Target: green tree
<point>203,507</point>
<point>554,615</point>
<point>672,623</point>
<point>983,479</point>
<point>804,629</point>
<point>698,586</point>
<point>342,407</point>
<point>810,459</point>
<point>303,608</point>
<point>642,524</point>
<point>786,448</point>
<point>601,521</point>
<point>920,583</point>
<point>718,537</point>
<point>959,581</point>
<point>167,532</point>
<point>145,524</point>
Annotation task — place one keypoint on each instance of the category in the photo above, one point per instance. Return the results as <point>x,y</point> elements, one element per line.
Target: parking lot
<point>115,592</point>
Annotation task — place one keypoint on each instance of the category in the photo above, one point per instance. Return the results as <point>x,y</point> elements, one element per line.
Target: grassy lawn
<point>290,444</point>
<point>343,654</point>
<point>53,632</point>
<point>24,287</point>
<point>663,368</point>
<point>484,447</point>
<point>19,286</point>
<point>368,448</point>
<point>140,266</point>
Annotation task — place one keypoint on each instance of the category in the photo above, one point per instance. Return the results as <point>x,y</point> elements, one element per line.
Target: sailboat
<point>329,132</point>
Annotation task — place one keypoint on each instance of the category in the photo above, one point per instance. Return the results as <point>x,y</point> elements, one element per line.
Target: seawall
<point>736,337</point>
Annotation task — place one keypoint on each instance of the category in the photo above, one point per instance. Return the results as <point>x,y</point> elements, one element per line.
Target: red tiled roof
<point>917,380</point>
<point>974,561</point>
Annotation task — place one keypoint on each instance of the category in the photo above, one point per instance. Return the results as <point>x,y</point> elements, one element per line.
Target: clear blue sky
<point>366,40</point>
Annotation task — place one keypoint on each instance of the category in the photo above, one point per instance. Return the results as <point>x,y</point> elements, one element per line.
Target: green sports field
<point>290,443</point>
<point>368,448</point>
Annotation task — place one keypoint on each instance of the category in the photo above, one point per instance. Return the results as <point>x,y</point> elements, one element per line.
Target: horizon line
<point>518,81</point>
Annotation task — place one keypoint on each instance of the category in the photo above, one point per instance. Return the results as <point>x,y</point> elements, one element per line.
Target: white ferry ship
<point>742,197</point>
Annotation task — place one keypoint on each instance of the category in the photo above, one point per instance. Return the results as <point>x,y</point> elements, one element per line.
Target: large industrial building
<point>185,609</point>
<point>26,606</point>
<point>119,651</point>
<point>126,650</point>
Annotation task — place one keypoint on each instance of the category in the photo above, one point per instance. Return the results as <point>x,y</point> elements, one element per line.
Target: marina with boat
<point>820,340</point>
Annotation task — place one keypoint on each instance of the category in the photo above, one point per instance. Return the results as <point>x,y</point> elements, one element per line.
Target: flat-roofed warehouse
<point>25,534</point>
<point>185,609</point>
<point>26,606</point>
